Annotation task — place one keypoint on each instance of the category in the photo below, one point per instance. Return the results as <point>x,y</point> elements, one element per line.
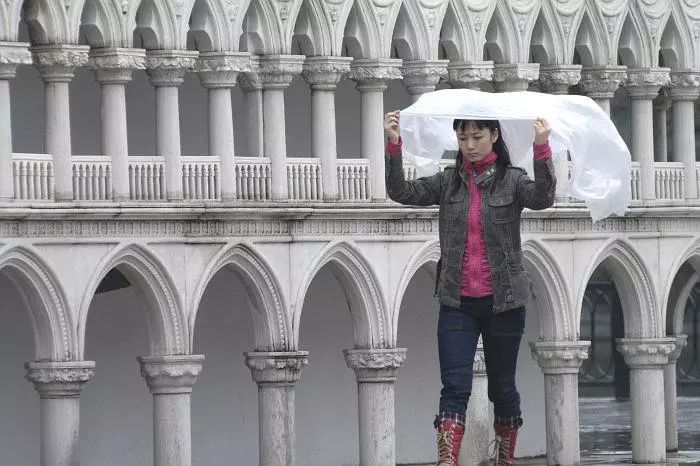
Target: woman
<point>481,284</point>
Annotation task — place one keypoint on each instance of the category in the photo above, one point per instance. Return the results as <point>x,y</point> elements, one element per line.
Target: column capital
<point>372,74</point>
<point>114,65</point>
<point>59,379</point>
<point>601,82</point>
<point>556,79</point>
<point>469,74</point>
<point>514,77</point>
<point>277,71</point>
<point>680,343</point>
<point>13,54</point>
<point>171,374</point>
<point>559,357</point>
<point>662,102</point>
<point>645,83</point>
<point>375,365</point>
<point>57,63</point>
<point>276,368</point>
<point>646,353</point>
<point>168,67</point>
<point>685,84</point>
<point>221,69</point>
<point>421,76</point>
<point>324,73</point>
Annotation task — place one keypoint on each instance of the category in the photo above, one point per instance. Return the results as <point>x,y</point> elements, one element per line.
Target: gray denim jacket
<point>501,206</point>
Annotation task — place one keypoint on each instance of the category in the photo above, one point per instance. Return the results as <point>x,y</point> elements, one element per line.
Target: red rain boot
<point>449,439</point>
<point>506,437</point>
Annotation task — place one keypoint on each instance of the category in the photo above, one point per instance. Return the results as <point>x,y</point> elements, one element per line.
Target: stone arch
<point>454,40</point>
<point>634,285</point>
<point>633,46</point>
<point>209,27</point>
<point>409,39</point>
<point>674,48</point>
<point>312,35</point>
<point>101,24</point>
<point>501,44</point>
<point>260,32</point>
<point>49,313</point>
<point>359,40</point>
<point>590,43</point>
<point>426,254</point>
<point>46,21</point>
<point>165,316</point>
<point>553,299</point>
<point>545,47</point>
<point>153,26</point>
<point>685,272</point>
<point>361,287</point>
<point>270,316</point>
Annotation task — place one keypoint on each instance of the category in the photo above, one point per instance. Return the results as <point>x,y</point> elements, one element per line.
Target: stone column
<point>469,75</point>
<point>375,370</point>
<point>421,76</point>
<point>514,77</point>
<point>685,89</point>
<point>56,65</point>
<point>170,380</point>
<point>600,83</point>
<point>166,70</point>
<point>218,73</point>
<point>646,359</point>
<point>59,385</point>
<point>323,75</point>
<point>253,97</point>
<point>276,373</point>
<point>661,105</point>
<point>557,79</point>
<point>643,87</point>
<point>371,76</point>
<point>671,396</point>
<point>478,431</point>
<point>113,68</point>
<point>276,73</point>
<point>560,362</point>
<point>12,54</point>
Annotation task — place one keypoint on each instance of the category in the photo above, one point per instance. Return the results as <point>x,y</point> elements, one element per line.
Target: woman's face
<point>474,143</point>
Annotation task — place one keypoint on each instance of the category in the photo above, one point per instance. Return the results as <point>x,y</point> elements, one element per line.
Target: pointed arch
<point>46,21</point>
<point>545,48</point>
<point>632,279</point>
<point>409,41</point>
<point>267,302</point>
<point>363,293</point>
<point>501,41</point>
<point>165,316</point>
<point>454,40</point>
<point>153,22</point>
<point>633,46</point>
<point>684,273</point>
<point>101,24</point>
<point>312,34</point>
<point>260,32</point>
<point>208,31</point>
<point>359,40</point>
<point>590,42</point>
<point>674,47</point>
<point>52,322</point>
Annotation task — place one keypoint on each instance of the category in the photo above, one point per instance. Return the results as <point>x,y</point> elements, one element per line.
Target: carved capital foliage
<point>422,76</point>
<point>57,63</point>
<point>171,374</point>
<point>375,365</point>
<point>602,82</point>
<point>680,343</point>
<point>646,353</point>
<point>685,84</point>
<point>221,69</point>
<point>59,379</point>
<point>556,79</point>
<point>469,74</point>
<point>276,368</point>
<point>168,67</point>
<point>13,54</point>
<point>560,357</point>
<point>646,83</point>
<point>517,77</point>
<point>114,65</point>
<point>374,74</point>
<point>324,73</point>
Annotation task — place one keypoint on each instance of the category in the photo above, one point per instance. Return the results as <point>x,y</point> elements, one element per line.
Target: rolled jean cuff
<point>509,421</point>
<point>446,416</point>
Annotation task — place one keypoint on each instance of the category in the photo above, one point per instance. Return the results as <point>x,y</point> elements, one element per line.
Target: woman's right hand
<point>392,127</point>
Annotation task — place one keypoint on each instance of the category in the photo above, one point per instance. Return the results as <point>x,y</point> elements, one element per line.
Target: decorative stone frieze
<point>556,79</point>
<point>685,84</point>
<point>115,65</point>
<point>602,82</point>
<point>13,54</point>
<point>421,76</point>
<point>277,71</point>
<point>59,379</point>
<point>514,77</point>
<point>168,67</point>
<point>221,69</point>
<point>276,368</point>
<point>375,365</point>
<point>57,63</point>
<point>646,83</point>
<point>171,374</point>
<point>324,73</point>
<point>373,74</point>
<point>469,74</point>
<point>560,357</point>
<point>646,353</point>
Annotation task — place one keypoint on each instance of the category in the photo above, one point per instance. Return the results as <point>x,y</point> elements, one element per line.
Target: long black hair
<point>499,147</point>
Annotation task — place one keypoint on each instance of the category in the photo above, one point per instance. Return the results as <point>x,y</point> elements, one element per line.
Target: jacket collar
<point>485,169</point>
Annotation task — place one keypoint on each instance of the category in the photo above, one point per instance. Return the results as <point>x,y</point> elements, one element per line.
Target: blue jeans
<point>458,334</point>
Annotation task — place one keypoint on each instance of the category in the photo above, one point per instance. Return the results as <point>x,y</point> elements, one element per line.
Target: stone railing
<point>670,180</point>
<point>304,180</point>
<point>201,177</point>
<point>253,178</point>
<point>33,177</point>
<point>354,180</point>
<point>92,178</point>
<point>147,178</point>
<point>636,181</point>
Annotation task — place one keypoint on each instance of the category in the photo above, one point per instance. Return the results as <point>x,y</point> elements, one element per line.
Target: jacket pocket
<point>502,208</point>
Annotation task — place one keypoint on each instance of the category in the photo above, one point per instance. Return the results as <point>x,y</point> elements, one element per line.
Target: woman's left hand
<point>542,130</point>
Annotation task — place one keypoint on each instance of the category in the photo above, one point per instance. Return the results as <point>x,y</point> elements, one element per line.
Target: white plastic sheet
<point>600,174</point>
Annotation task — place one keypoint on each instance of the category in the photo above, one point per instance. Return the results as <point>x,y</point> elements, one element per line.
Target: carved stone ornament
<point>13,54</point>
<point>171,374</point>
<point>685,84</point>
<point>59,379</point>
<point>517,77</point>
<point>556,79</point>
<point>681,342</point>
<point>324,73</point>
<point>371,74</point>
<point>277,71</point>
<point>469,74</point>
<point>276,368</point>
<point>114,65</point>
<point>602,82</point>
<point>250,81</point>
<point>168,67</point>
<point>221,69</point>
<point>646,353</point>
<point>646,83</point>
<point>375,365</point>
<point>421,76</point>
<point>560,357</point>
<point>57,63</point>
